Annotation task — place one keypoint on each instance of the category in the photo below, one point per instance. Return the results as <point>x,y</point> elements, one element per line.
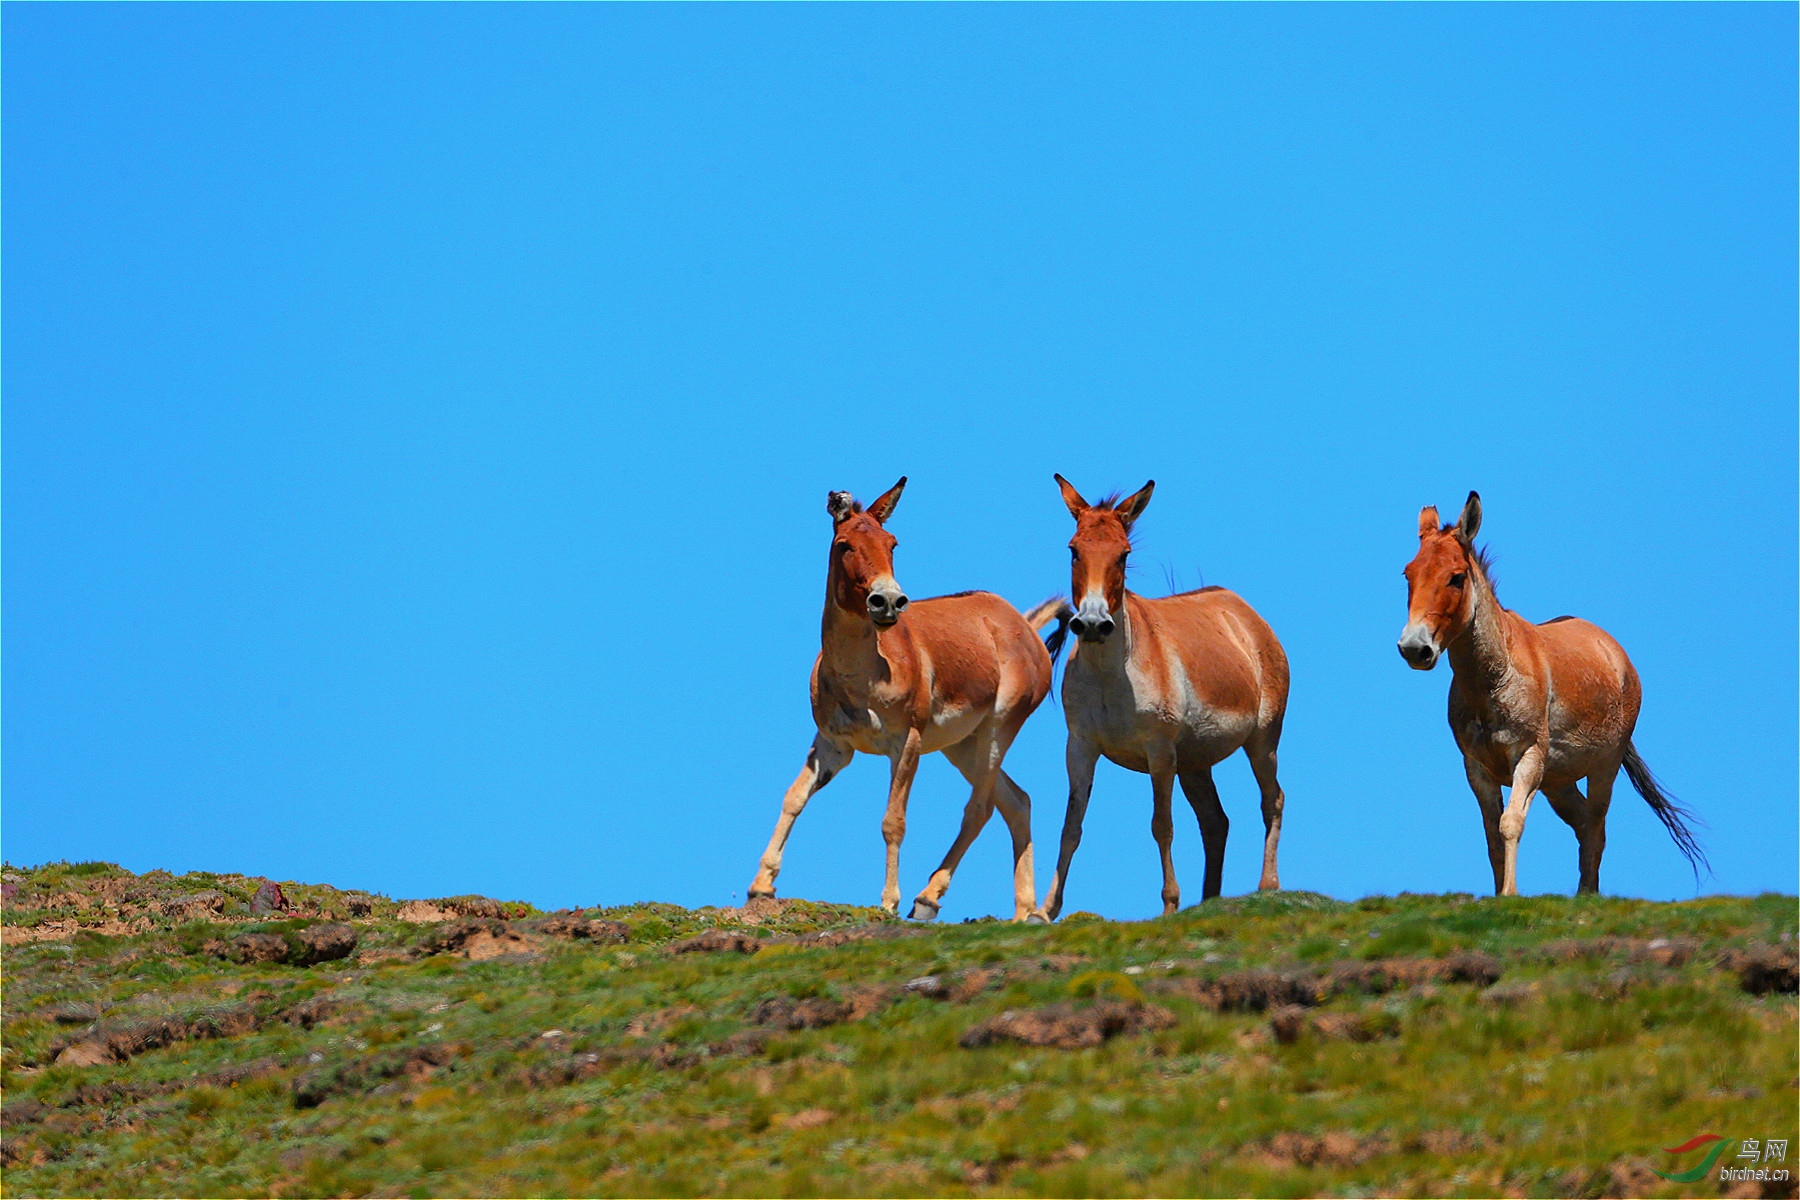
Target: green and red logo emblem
<point>1718,1145</point>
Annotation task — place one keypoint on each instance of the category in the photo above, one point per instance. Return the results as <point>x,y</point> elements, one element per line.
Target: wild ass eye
<point>841,548</point>
<point>1458,579</point>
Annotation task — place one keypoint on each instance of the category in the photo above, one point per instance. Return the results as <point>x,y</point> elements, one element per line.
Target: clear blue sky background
<point>418,419</point>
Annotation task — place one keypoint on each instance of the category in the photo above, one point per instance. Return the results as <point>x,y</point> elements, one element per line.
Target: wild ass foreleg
<point>1487,794</point>
<point>1203,796</point>
<point>893,825</point>
<point>1526,776</point>
<point>824,760</point>
<point>1081,756</point>
<point>1162,828</point>
<point>1262,764</point>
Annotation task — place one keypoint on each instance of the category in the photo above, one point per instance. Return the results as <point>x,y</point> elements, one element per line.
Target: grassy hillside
<point>162,1037</point>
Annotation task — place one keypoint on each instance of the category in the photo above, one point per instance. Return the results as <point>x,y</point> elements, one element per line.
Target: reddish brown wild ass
<point>1533,707</point>
<point>1168,687</point>
<point>901,679</point>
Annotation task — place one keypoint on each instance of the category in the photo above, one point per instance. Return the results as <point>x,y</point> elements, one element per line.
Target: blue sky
<point>418,420</point>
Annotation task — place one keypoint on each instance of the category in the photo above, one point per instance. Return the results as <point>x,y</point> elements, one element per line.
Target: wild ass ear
<point>1470,522</point>
<point>883,507</point>
<point>1072,498</point>
<point>1133,506</point>
<point>839,505</point>
<point>1428,521</point>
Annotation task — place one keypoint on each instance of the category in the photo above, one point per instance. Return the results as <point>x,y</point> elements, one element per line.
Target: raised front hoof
<point>924,910</point>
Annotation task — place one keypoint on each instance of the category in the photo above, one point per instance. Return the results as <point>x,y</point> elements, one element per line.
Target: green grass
<point>1566,1080</point>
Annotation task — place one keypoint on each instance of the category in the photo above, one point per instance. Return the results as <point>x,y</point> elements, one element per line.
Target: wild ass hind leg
<point>1591,833</point>
<point>1527,774</point>
<point>1081,757</point>
<point>1488,795</point>
<point>1262,765</point>
<point>1015,810</point>
<point>1203,797</point>
<point>1567,802</point>
<point>823,761</point>
<point>893,824</point>
<point>969,757</point>
<point>978,758</point>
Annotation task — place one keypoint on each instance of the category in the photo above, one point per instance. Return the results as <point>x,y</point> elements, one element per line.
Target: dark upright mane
<point>1484,558</point>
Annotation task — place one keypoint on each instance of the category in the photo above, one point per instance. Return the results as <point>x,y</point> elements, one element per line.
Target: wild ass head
<point>1441,585</point>
<point>861,577</point>
<point>1101,544</point>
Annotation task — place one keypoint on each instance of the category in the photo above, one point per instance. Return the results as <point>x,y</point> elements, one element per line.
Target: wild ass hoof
<point>1036,918</point>
<point>924,910</point>
<point>759,894</point>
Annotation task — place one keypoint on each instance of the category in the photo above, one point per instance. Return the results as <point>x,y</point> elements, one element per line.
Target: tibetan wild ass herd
<point>1169,687</point>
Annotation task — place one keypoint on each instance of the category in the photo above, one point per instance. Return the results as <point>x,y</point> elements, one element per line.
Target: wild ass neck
<point>850,645</point>
<point>1115,652</point>
<point>1481,656</point>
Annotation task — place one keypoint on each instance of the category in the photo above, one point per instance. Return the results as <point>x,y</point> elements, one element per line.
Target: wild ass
<point>902,679</point>
<point>1534,707</point>
<point>1167,687</point>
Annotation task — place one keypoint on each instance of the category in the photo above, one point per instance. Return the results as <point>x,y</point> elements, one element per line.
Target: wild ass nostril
<point>1077,625</point>
<point>1105,627</point>
<point>1416,652</point>
<point>900,603</point>
<point>877,601</point>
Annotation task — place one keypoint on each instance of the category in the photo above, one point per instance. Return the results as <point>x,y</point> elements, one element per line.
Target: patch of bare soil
<point>1762,968</point>
<point>808,1118</point>
<point>1664,952</point>
<point>959,986</point>
<point>755,911</point>
<point>1290,1022</point>
<point>1334,1149</point>
<point>655,1022</point>
<point>319,1010</point>
<point>1381,975</point>
<point>479,941</point>
<point>782,1012</point>
<point>585,929</point>
<point>423,912</point>
<point>118,1042</point>
<point>1507,995</point>
<point>582,1065</point>
<point>325,942</point>
<point>1068,1026</point>
<point>357,1075</point>
<point>714,941</point>
<point>56,931</point>
<point>1630,1177</point>
<point>1245,991</point>
<point>866,1001</point>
